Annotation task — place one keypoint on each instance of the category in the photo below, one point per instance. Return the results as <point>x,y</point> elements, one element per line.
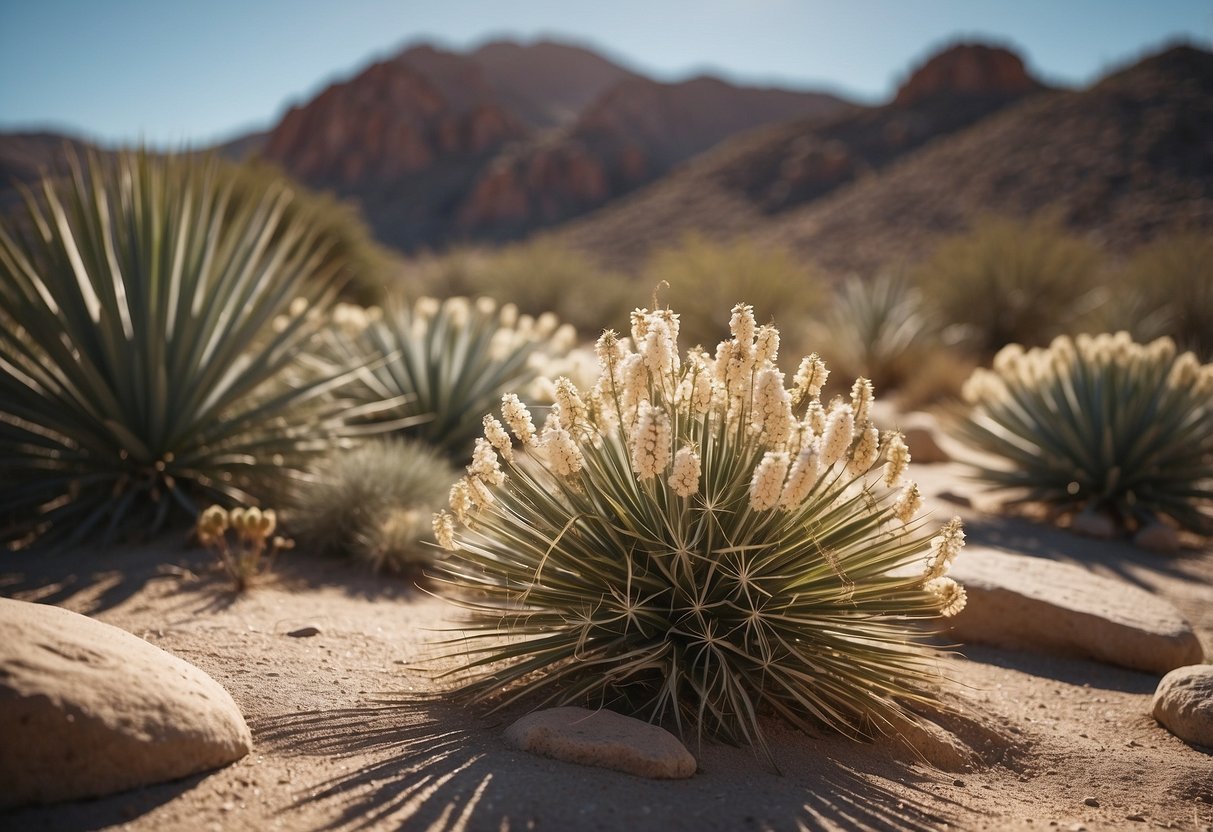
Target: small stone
<point>1135,817</point>
<point>304,632</point>
<point>87,709</point>
<point>1183,704</point>
<point>1092,524</point>
<point>1090,801</point>
<point>1157,537</point>
<point>958,782</point>
<point>604,739</point>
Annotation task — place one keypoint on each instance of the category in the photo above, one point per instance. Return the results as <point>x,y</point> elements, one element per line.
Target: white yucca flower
<point>460,500</point>
<point>444,530</point>
<point>945,546</point>
<point>651,442</point>
<point>862,396</point>
<point>838,434</point>
<point>866,452</point>
<point>485,465</point>
<point>908,504</point>
<point>518,417</point>
<point>815,417</point>
<point>482,496</point>
<point>741,325</point>
<point>810,378</point>
<point>801,478</point>
<point>766,485</point>
<point>684,479</point>
<point>772,415</point>
<point>951,595</point>
<point>635,383</point>
<point>659,351</point>
<point>495,433</point>
<point>563,455</point>
<point>766,345</point>
<point>897,460</point>
<point>573,410</point>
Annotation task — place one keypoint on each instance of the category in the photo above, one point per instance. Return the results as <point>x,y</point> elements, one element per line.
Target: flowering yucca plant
<point>449,361</point>
<point>692,540</point>
<point>1099,424</point>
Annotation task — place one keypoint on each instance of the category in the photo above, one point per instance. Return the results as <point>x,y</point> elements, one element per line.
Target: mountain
<point>747,182</point>
<point>1121,162</point>
<point>634,133</point>
<point>439,146</point>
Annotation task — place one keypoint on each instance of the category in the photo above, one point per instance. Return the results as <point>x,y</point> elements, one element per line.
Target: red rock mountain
<point>968,69</point>
<point>1121,161</point>
<point>438,146</point>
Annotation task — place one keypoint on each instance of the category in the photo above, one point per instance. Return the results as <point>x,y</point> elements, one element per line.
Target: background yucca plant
<point>694,542</point>
<point>449,361</point>
<point>880,329</point>
<point>139,371</point>
<point>1100,424</point>
<point>1166,288</point>
<point>373,503</point>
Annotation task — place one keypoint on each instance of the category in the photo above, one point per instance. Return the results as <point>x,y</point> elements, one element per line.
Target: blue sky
<point>171,72</point>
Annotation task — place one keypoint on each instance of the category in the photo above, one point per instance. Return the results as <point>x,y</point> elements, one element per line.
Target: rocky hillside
<point>750,181</point>
<point>439,146</point>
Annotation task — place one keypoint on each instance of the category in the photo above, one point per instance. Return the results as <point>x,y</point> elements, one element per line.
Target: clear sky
<point>181,71</point>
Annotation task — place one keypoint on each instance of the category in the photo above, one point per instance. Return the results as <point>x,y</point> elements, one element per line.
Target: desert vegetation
<point>693,540</point>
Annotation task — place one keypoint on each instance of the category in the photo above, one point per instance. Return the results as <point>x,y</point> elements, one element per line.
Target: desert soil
<point>349,733</point>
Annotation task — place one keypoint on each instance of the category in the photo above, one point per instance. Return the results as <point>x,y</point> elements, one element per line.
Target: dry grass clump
<point>1166,288</point>
<point>694,540</point>
<point>1011,281</point>
<point>1100,425</point>
<point>373,503</point>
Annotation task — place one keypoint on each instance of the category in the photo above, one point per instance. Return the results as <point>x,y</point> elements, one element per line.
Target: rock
<point>1183,704</point>
<point>605,739</point>
<point>1090,801</point>
<point>304,632</point>
<point>1091,524</point>
<point>968,69</point>
<point>1157,537</point>
<point>87,709</point>
<point>1037,604</point>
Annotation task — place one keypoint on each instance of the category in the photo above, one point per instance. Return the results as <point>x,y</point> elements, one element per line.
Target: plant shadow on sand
<point>429,764</point>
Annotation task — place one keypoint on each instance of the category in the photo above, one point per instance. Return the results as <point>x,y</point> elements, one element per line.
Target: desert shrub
<point>446,362</point>
<point>707,278</point>
<point>373,503</point>
<point>1011,281</point>
<point>1166,288</point>
<point>691,540</point>
<point>536,276</point>
<point>140,373</point>
<point>879,329</point>
<point>1100,424</point>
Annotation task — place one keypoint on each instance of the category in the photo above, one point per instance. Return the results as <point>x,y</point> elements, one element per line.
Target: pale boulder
<point>87,709</point>
<point>1183,704</point>
<point>1038,604</point>
<point>604,739</point>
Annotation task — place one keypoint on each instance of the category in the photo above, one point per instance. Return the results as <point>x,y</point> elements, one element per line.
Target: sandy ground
<point>349,735</point>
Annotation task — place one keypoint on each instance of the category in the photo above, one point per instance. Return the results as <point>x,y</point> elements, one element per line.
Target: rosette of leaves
<point>449,361</point>
<point>141,373</point>
<point>1098,424</point>
<point>694,542</point>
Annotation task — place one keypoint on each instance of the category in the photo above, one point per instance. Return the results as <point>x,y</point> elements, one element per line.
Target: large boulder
<point>1037,604</point>
<point>87,709</point>
<point>1183,704</point>
<point>605,739</point>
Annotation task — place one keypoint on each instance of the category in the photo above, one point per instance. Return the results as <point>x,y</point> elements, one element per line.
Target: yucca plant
<point>140,372</point>
<point>373,503</point>
<point>693,542</point>
<point>449,361</point>
<point>880,329</point>
<point>1099,424</point>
